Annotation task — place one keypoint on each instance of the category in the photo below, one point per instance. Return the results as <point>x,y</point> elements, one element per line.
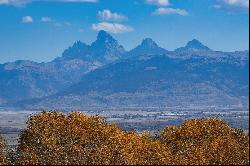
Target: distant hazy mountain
<point>104,50</point>
<point>193,45</point>
<point>104,74</point>
<point>24,80</point>
<point>159,82</point>
<point>78,50</point>
<point>147,47</point>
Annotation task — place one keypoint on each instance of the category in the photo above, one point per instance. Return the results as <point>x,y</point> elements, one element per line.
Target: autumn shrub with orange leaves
<point>206,142</point>
<point>2,151</point>
<point>52,138</point>
<point>131,148</point>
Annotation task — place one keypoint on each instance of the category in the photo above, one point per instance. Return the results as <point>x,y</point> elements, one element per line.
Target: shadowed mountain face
<point>104,74</point>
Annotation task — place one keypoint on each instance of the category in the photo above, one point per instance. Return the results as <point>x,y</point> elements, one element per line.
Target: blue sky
<point>40,30</point>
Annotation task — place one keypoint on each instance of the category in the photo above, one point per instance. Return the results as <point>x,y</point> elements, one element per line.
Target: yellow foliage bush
<point>52,138</point>
<point>2,151</point>
<point>206,141</point>
<point>130,148</point>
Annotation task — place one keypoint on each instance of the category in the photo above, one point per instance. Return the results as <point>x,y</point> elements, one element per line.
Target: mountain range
<point>104,74</point>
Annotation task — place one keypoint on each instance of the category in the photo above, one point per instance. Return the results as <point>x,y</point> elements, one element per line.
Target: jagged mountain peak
<point>78,50</point>
<point>103,35</point>
<point>147,47</point>
<point>196,44</point>
<point>105,41</point>
<point>78,43</point>
<point>106,48</point>
<point>193,45</point>
<point>148,42</point>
